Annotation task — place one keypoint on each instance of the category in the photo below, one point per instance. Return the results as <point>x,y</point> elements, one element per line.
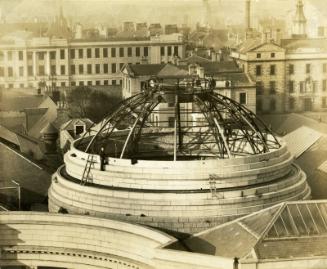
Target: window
<point>30,71</point>
<point>258,70</point>
<point>243,98</point>
<point>121,66</point>
<point>79,129</point>
<point>291,86</point>
<point>258,55</point>
<point>324,85</point>
<point>272,105</point>
<point>89,53</point>
<point>52,55</point>
<point>291,69</point>
<point>63,84</point>
<point>121,52</point>
<point>97,82</point>
<point>113,52</point>
<point>175,50</point>
<point>81,83</point>
<point>105,82</point>
<point>171,122</point>
<point>129,52</point>
<point>105,52</point>
<point>259,87</point>
<point>81,69</point>
<point>20,56</point>
<point>171,104</point>
<point>72,69</point>
<point>29,55</point>
<point>41,70</point>
<point>113,68</point>
<point>314,86</point>
<point>2,71</point>
<point>21,71</point>
<point>169,51</point>
<point>323,102</point>
<point>73,83</point>
<point>89,83</point>
<point>62,70</point>
<point>272,87</point>
<point>146,51</point>
<point>291,103</point>
<point>53,70</point>
<point>72,54</point>
<point>324,67</point>
<point>272,70</point>
<point>41,56</point>
<point>307,68</point>
<point>97,53</point>
<point>80,53</point>
<point>301,86</point>
<point>1,56</point>
<point>259,105</point>
<point>10,72</point>
<point>162,51</point>
<point>62,54</point>
<point>97,68</point>
<point>9,55</point>
<point>272,55</point>
<point>137,52</point>
<point>89,68</point>
<point>105,68</point>
<point>113,82</point>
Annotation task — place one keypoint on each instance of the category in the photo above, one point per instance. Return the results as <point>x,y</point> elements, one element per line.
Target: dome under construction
<point>177,156</point>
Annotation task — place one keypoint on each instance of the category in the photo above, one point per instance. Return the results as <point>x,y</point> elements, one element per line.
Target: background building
<point>65,63</point>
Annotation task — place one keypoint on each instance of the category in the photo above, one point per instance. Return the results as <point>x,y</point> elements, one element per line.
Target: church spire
<point>299,21</point>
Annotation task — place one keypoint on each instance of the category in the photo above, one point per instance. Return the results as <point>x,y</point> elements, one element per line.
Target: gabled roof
<point>287,230</point>
<point>248,45</point>
<point>69,125</point>
<point>193,59</point>
<point>18,103</point>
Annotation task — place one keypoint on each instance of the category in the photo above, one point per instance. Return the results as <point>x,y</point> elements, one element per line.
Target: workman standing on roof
<point>102,159</point>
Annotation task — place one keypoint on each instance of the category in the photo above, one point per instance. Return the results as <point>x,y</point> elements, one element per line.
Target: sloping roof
<point>49,129</point>
<point>318,44</point>
<point>219,67</point>
<point>170,70</point>
<point>195,59</point>
<point>248,45</point>
<point>18,103</point>
<point>144,69</point>
<point>287,230</point>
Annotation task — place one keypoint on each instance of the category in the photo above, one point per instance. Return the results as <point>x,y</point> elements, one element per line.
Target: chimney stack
<point>248,14</point>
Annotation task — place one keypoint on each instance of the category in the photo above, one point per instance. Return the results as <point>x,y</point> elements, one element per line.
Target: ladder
<point>213,187</point>
<point>91,160</point>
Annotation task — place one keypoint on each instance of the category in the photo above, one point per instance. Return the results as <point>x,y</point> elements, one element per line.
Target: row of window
<point>260,87</point>
<point>291,104</point>
<point>272,55</point>
<point>90,69</point>
<point>307,86</point>
<point>88,53</point>
<point>171,50</point>
<point>272,70</point>
<point>73,83</point>
<point>291,69</point>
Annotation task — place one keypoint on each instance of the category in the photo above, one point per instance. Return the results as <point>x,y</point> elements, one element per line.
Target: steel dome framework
<point>194,122</point>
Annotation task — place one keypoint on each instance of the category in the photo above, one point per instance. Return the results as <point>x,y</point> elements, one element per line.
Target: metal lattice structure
<point>180,120</point>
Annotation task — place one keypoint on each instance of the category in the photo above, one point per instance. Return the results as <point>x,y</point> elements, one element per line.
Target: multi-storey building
<point>65,63</point>
<point>291,75</point>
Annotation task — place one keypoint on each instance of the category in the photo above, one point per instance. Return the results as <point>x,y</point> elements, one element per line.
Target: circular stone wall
<point>183,196</point>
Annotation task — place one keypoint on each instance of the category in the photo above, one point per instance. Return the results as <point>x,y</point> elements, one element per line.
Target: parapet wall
<point>70,241</point>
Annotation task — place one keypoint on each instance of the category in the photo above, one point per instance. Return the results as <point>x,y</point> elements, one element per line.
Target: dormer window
<point>79,129</point>
<point>272,55</point>
<point>258,55</point>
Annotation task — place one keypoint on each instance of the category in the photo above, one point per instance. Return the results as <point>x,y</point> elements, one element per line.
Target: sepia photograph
<point>163,134</point>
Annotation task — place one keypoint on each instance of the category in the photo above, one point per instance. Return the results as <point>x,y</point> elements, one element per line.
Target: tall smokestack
<point>248,14</point>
